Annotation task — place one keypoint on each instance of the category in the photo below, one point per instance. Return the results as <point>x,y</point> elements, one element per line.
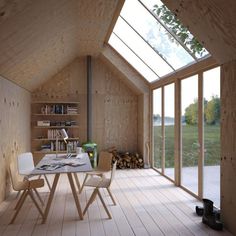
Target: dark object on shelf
<point>210,214</point>
<point>52,123</point>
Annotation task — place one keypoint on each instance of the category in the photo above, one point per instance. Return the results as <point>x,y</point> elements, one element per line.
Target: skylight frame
<point>168,57</point>
<point>170,31</point>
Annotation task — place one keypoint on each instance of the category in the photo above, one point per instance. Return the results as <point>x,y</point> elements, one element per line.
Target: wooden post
<point>200,134</point>
<point>163,128</point>
<point>178,140</point>
<point>228,145</point>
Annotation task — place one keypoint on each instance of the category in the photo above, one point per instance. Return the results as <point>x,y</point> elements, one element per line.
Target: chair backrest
<point>104,163</point>
<point>17,184</point>
<point>25,163</point>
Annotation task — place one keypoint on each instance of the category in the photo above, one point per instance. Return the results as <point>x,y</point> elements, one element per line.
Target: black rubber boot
<point>210,217</point>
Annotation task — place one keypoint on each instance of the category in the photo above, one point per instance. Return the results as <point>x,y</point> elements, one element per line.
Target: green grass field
<point>189,144</point>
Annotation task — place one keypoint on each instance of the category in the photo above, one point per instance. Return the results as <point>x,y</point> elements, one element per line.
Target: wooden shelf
<point>53,114</point>
<point>54,102</point>
<point>53,139</point>
<point>57,127</point>
<point>51,152</point>
<point>56,113</point>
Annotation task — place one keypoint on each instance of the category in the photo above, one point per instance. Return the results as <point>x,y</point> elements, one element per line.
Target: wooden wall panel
<point>14,128</point>
<point>115,120</point>
<point>114,108</point>
<point>140,86</point>
<point>228,145</point>
<point>68,85</point>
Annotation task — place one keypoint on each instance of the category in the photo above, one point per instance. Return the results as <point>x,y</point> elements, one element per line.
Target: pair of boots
<point>210,215</point>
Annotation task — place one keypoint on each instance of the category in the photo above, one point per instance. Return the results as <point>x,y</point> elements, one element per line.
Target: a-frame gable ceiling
<point>40,37</point>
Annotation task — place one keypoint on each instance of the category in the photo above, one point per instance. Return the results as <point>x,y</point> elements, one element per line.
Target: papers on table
<point>60,163</point>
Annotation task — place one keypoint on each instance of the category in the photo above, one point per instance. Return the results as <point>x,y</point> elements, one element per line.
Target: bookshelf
<point>47,118</point>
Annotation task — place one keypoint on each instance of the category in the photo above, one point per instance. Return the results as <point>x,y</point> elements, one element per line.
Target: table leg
<point>72,185</point>
<point>77,181</point>
<point>51,195</point>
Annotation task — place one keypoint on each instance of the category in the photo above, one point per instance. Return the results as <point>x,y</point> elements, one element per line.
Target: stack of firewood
<point>127,159</point>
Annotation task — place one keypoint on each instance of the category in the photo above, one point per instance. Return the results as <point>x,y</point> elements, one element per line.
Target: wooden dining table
<point>60,164</point>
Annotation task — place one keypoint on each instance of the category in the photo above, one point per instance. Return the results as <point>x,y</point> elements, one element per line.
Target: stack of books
<point>72,109</point>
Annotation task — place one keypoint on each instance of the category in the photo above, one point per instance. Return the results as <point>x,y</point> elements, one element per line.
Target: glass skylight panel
<point>150,5</point>
<point>137,63</point>
<point>154,42</point>
<point>141,48</point>
<point>155,34</point>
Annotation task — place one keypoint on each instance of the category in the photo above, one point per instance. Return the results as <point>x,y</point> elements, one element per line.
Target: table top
<point>50,164</point>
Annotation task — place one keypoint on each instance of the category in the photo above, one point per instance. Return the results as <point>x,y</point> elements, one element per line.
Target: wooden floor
<point>147,204</point>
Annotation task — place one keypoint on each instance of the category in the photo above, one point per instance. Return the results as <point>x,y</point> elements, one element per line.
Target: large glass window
<point>132,58</point>
<point>152,47</point>
<point>169,122</point>
<point>211,92</point>
<point>190,145</point>
<point>164,137</point>
<point>156,35</point>
<point>157,130</point>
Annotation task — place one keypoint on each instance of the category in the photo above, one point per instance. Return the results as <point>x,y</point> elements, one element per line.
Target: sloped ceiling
<point>213,22</point>
<point>40,37</point>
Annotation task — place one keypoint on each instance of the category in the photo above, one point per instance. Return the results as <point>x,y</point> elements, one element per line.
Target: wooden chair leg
<point>103,203</point>
<point>35,202</point>
<point>49,186</point>
<point>18,194</point>
<point>112,198</point>
<point>85,178</point>
<point>37,193</point>
<point>77,182</point>
<point>91,199</point>
<point>22,200</point>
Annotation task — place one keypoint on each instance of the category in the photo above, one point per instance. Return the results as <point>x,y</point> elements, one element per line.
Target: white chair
<point>26,166</point>
<point>104,166</point>
<point>97,183</point>
<point>26,186</point>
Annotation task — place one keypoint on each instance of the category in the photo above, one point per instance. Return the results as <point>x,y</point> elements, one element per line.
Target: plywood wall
<point>228,145</point>
<point>115,117</point>
<point>14,128</point>
<point>141,87</point>
<point>114,104</point>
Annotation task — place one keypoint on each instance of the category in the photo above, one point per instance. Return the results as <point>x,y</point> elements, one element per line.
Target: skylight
<point>148,43</point>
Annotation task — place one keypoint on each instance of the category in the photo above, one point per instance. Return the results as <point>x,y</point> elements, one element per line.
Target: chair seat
<point>21,185</point>
<point>98,182</point>
<point>28,184</point>
<point>36,183</point>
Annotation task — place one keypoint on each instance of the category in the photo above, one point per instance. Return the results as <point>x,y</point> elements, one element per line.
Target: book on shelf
<point>59,109</point>
<point>43,123</point>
